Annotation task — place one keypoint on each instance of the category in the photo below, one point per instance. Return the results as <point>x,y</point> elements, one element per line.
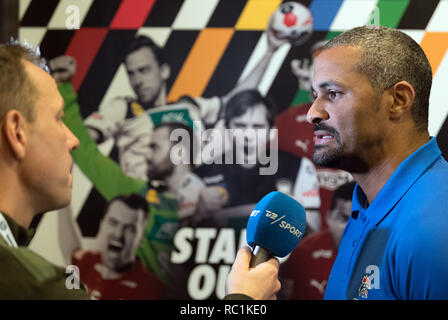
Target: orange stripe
<point>201,63</point>
<point>256,14</point>
<point>435,45</point>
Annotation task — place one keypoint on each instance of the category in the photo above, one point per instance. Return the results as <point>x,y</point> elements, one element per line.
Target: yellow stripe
<point>256,13</point>
<point>435,45</point>
<point>201,63</point>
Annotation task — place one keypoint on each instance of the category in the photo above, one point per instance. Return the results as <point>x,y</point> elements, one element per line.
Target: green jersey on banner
<point>110,180</point>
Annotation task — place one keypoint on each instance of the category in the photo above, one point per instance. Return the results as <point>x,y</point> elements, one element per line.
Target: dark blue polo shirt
<point>397,247</point>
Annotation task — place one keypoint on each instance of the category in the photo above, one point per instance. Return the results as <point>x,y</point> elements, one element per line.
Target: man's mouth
<point>322,137</point>
<point>115,246</point>
<point>143,91</point>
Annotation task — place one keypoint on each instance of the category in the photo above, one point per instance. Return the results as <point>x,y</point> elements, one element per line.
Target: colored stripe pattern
<point>222,37</point>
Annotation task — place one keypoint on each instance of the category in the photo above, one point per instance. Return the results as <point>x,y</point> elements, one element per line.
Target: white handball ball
<point>293,22</point>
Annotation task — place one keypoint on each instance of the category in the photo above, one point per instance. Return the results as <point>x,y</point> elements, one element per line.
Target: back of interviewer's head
<point>389,56</point>
<point>17,90</point>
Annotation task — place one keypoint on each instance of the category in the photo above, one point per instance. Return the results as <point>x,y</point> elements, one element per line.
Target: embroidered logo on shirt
<point>151,196</point>
<point>136,108</point>
<point>363,291</point>
<point>371,280</point>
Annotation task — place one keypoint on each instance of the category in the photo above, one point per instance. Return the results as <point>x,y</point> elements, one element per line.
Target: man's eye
<point>333,94</point>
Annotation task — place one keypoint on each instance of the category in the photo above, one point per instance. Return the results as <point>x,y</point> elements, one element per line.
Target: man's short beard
<point>158,174</point>
<point>329,159</point>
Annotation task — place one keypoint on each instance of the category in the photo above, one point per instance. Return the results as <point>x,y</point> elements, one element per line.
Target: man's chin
<point>326,159</point>
<point>146,100</point>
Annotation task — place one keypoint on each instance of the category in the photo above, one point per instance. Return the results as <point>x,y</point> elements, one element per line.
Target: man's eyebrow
<point>330,83</point>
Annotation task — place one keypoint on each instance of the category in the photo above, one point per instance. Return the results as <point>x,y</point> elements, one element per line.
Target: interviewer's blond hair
<point>17,91</point>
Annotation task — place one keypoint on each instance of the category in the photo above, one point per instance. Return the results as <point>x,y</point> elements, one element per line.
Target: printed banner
<point>188,113</point>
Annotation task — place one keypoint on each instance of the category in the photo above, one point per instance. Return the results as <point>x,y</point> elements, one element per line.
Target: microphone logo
<point>254,213</point>
<point>283,224</point>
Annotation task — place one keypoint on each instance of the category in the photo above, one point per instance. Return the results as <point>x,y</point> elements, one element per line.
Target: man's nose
<point>72,140</point>
<point>137,79</point>
<point>317,112</point>
<point>118,232</point>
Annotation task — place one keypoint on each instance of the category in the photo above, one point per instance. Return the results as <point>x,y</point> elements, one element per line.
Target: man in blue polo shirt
<point>370,114</point>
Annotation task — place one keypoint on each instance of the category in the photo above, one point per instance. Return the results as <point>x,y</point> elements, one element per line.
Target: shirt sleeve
<point>104,173</point>
<point>107,119</point>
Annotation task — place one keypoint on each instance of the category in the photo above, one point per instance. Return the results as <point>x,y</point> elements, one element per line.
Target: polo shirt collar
<point>398,184</point>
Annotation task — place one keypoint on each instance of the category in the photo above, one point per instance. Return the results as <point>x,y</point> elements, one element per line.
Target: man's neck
<point>372,181</point>
<point>20,217</point>
<point>15,205</point>
<point>159,101</point>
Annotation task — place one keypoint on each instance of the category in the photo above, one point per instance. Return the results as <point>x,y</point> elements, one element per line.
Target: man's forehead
<point>41,79</point>
<point>47,93</point>
<point>256,113</point>
<point>343,57</point>
<point>336,66</point>
<point>140,56</point>
<point>119,209</point>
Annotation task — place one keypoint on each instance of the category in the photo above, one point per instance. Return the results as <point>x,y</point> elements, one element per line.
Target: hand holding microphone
<point>275,227</point>
<point>259,283</point>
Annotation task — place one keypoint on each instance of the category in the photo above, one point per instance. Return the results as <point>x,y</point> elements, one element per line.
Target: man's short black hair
<point>343,192</point>
<point>387,57</point>
<point>133,201</point>
<point>142,41</point>
<point>246,99</point>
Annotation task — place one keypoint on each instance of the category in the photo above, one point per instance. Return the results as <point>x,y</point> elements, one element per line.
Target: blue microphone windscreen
<point>277,224</point>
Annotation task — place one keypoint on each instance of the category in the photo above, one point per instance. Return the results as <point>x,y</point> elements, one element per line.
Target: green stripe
<point>301,97</point>
<point>391,11</point>
<point>332,34</point>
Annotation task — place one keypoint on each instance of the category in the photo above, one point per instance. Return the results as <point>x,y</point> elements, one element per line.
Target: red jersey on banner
<point>295,133</point>
<point>305,273</point>
<point>138,283</point>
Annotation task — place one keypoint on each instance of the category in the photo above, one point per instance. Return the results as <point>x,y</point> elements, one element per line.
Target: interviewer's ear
<point>403,98</point>
<point>14,130</point>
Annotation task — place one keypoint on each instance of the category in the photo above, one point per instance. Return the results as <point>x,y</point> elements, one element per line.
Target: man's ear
<point>14,131</point>
<point>403,98</point>
<point>165,71</point>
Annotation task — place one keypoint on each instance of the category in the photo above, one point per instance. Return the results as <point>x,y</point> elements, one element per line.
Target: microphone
<point>275,227</point>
